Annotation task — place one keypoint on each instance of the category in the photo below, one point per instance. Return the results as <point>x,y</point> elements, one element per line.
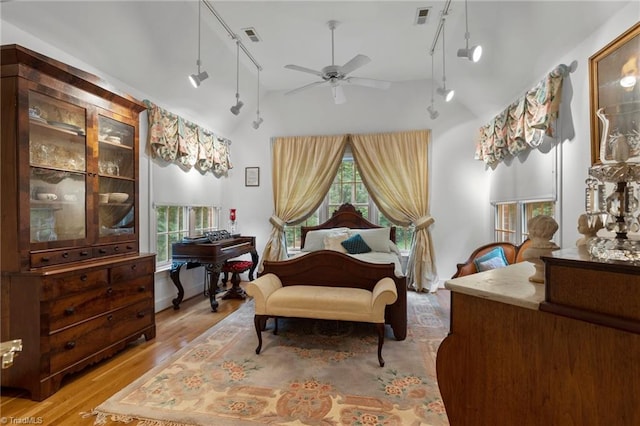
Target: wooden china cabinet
<point>75,288</point>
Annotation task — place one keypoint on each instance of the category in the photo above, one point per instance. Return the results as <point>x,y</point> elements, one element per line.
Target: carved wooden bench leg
<point>259,321</point>
<point>380,328</point>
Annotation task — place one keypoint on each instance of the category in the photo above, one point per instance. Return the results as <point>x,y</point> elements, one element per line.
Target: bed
<point>315,265</point>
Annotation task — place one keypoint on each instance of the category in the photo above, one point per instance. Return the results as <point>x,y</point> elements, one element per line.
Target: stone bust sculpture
<point>588,232</point>
<point>541,229</point>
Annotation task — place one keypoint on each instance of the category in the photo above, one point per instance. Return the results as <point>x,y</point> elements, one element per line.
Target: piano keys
<point>211,252</point>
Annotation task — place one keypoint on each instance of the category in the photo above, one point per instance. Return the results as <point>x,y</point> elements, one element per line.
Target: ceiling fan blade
<point>303,69</point>
<point>355,63</point>
<point>305,87</point>
<point>368,82</point>
<point>338,94</point>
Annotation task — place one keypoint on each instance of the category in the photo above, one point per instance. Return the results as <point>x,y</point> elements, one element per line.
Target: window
<point>348,187</point>
<point>173,223</point>
<point>511,218</point>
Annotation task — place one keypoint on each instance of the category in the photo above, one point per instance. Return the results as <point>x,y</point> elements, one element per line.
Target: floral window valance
<point>523,124</point>
<point>175,139</point>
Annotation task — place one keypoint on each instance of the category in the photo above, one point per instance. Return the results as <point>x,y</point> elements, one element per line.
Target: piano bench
<point>235,267</point>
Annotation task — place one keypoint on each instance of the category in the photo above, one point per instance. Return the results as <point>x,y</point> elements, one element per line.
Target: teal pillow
<point>491,260</point>
<point>355,245</point>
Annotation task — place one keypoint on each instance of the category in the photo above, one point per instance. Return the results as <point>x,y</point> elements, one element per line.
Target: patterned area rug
<point>313,372</point>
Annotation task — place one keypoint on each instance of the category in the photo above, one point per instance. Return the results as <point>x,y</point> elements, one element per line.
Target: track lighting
<point>447,94</point>
<point>258,120</point>
<point>432,110</point>
<point>198,78</point>
<point>474,53</point>
<point>235,110</point>
<point>433,114</point>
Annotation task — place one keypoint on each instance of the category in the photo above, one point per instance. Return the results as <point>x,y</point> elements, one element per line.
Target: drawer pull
<point>140,315</point>
<point>133,267</point>
<point>141,288</point>
<point>102,251</point>
<point>70,344</point>
<point>110,318</point>
<point>44,259</point>
<point>116,248</point>
<point>84,253</point>
<point>65,254</point>
<point>129,247</point>
<point>84,277</point>
<point>70,311</point>
<point>109,291</point>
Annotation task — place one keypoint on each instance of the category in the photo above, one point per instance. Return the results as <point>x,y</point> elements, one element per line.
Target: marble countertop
<point>507,285</point>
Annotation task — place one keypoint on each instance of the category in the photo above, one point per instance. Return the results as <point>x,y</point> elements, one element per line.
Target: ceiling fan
<point>335,75</point>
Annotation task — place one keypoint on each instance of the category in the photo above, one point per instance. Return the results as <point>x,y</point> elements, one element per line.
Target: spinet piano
<point>210,251</point>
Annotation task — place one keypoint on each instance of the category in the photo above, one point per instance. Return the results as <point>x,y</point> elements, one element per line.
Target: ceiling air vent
<point>251,34</point>
<point>422,15</point>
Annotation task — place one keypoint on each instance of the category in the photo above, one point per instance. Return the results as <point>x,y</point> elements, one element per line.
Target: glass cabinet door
<point>116,171</point>
<point>57,162</point>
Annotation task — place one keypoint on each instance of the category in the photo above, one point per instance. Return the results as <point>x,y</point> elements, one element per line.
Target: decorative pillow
<point>314,240</point>
<point>333,240</point>
<point>377,238</point>
<point>491,260</point>
<point>355,245</point>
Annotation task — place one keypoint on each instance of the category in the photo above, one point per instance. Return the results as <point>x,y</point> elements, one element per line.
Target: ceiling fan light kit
<point>336,76</point>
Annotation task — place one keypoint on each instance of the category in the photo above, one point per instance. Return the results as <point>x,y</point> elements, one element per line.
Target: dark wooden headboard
<point>346,216</point>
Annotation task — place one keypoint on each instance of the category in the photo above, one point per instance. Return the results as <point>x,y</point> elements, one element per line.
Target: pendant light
<point>442,91</point>
<point>196,79</point>
<point>235,110</point>
<point>433,113</point>
<point>259,120</point>
<point>475,52</point>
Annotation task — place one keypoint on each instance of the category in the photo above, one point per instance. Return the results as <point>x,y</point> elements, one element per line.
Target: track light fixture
<point>258,120</point>
<point>198,78</point>
<point>432,109</point>
<point>474,53</point>
<point>447,94</point>
<point>235,110</point>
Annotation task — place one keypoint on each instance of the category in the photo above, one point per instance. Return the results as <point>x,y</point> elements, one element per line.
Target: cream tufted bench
<point>272,299</point>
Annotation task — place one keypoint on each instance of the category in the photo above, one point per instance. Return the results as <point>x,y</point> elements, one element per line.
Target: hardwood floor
<point>87,389</point>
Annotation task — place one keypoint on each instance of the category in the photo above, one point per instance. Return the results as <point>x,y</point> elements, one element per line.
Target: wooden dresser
<point>75,288</point>
<point>507,361</point>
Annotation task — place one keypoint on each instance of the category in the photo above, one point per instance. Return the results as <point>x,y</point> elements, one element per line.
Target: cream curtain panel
<point>303,169</point>
<point>523,124</point>
<point>394,168</point>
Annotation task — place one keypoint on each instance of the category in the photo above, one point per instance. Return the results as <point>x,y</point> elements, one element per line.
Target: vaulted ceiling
<point>152,45</point>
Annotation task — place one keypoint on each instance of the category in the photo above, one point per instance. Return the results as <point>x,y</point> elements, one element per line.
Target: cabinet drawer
<point>57,257</point>
<point>131,292</point>
<point>74,344</point>
<point>132,270</point>
<point>114,249</point>
<point>73,309</point>
<point>131,319</point>
<point>69,310</point>
<point>61,285</point>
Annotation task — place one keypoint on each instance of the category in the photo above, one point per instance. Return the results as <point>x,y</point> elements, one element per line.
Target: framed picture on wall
<point>252,176</point>
<point>614,79</point>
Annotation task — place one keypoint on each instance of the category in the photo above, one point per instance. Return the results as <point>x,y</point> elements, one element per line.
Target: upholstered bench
<point>272,299</point>
<point>235,268</point>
